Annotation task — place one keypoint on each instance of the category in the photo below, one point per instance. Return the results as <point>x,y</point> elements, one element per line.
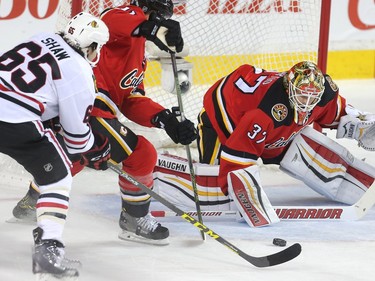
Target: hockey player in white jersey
<point>43,77</point>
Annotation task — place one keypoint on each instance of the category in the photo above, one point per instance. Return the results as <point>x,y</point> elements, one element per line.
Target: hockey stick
<point>188,153</point>
<point>163,214</point>
<point>264,261</point>
<point>307,213</point>
<point>314,213</point>
<point>344,213</point>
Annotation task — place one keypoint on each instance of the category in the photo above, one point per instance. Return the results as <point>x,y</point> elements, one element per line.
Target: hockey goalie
<point>253,115</point>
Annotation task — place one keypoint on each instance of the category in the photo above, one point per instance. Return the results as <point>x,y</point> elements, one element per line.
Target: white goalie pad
<point>327,167</point>
<point>172,181</point>
<point>246,191</point>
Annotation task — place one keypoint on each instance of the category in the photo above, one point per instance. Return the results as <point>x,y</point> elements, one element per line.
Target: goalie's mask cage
<point>305,87</point>
<point>84,31</point>
<point>163,8</point>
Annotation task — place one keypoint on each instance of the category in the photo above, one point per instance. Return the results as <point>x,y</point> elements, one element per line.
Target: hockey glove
<point>97,157</point>
<point>173,36</point>
<point>53,124</point>
<point>180,132</point>
<point>166,34</point>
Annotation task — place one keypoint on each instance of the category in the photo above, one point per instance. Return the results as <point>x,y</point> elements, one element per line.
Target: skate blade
<point>53,277</point>
<point>130,236</point>
<point>20,221</point>
<point>69,274</point>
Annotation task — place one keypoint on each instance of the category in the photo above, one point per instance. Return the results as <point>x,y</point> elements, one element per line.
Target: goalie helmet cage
<point>224,34</point>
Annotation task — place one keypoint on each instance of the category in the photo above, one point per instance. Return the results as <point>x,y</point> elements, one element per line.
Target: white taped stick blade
<point>249,197</point>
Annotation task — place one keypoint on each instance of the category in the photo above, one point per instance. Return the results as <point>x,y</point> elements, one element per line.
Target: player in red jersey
<point>253,113</point>
<point>119,76</point>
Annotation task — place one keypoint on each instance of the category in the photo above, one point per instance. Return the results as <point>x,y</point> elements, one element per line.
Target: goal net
<point>221,35</point>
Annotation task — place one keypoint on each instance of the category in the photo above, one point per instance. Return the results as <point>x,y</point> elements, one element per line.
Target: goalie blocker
<point>319,162</point>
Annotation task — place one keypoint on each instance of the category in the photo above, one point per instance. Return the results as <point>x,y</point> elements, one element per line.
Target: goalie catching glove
<point>166,34</point>
<point>97,157</point>
<point>360,128</point>
<point>180,132</point>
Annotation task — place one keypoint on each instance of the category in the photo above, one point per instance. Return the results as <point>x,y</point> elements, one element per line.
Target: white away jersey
<point>44,77</point>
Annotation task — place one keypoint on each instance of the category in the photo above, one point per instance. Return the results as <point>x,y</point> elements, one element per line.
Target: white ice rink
<point>331,250</point>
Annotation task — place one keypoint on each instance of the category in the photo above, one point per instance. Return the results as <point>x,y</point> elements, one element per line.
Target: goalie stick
<point>265,261</point>
<point>187,147</point>
<point>314,213</point>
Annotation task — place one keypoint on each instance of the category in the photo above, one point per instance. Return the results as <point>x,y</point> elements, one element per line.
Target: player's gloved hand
<point>180,132</point>
<point>77,163</point>
<point>173,36</point>
<point>53,124</point>
<point>97,157</point>
<point>166,34</point>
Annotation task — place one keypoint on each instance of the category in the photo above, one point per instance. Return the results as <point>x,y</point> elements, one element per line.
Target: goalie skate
<point>48,261</point>
<point>144,230</point>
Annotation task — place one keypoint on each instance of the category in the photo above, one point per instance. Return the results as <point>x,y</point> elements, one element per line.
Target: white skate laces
<point>148,223</point>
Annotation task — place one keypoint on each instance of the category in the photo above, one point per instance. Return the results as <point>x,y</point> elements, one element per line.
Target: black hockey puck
<point>279,242</point>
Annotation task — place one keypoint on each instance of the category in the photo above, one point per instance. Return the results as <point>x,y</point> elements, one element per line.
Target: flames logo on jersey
<point>279,112</point>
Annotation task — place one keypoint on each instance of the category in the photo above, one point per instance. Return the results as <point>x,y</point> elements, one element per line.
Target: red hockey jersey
<point>251,113</point>
<point>122,65</point>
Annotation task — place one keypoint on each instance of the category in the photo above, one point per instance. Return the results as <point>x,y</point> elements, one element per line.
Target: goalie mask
<point>84,31</point>
<point>163,8</point>
<point>305,86</point>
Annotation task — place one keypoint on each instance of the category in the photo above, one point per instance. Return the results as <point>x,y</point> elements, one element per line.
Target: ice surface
<point>331,250</point>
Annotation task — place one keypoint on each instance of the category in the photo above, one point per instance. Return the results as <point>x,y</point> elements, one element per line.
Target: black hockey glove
<point>97,157</point>
<point>53,124</point>
<point>166,34</point>
<point>180,132</point>
<point>173,36</point>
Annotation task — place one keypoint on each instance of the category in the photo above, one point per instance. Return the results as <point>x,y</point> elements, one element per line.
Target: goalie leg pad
<point>172,180</point>
<point>327,167</point>
<point>248,195</point>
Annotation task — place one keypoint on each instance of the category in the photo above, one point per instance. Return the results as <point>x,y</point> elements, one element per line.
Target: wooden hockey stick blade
<point>265,261</point>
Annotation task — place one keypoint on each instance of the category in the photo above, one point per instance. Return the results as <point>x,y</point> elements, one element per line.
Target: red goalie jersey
<point>251,113</point>
<point>121,69</point>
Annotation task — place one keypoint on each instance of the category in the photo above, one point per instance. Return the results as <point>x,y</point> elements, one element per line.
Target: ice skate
<point>25,210</point>
<point>48,260</point>
<point>145,230</point>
